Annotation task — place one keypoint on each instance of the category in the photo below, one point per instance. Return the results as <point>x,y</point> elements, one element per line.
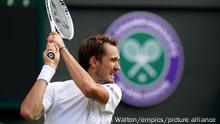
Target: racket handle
<point>51,54</point>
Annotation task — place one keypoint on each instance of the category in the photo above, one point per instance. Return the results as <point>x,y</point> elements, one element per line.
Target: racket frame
<point>53,25</point>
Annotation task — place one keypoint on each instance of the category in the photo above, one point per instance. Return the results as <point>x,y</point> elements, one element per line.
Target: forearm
<point>82,79</point>
<point>32,105</point>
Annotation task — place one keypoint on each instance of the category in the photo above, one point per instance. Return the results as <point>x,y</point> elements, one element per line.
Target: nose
<point>117,66</point>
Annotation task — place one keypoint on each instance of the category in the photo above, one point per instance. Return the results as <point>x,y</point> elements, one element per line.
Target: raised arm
<point>82,79</point>
<point>32,107</point>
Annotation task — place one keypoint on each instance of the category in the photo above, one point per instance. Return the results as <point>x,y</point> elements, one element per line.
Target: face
<point>109,65</point>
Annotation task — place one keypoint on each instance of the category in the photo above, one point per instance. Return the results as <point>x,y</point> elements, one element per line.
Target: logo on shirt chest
<point>151,58</point>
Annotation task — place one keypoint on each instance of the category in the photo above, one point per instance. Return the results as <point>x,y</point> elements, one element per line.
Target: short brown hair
<point>93,46</point>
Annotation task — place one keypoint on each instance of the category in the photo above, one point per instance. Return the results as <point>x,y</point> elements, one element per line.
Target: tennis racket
<point>60,20</point>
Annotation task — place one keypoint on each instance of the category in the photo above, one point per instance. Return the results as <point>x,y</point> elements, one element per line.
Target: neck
<point>92,73</point>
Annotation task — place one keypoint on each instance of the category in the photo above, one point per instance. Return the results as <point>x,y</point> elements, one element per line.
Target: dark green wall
<point>197,24</point>
<point>198,91</point>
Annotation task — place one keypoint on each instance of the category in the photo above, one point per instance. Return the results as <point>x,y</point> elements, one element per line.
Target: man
<point>90,97</point>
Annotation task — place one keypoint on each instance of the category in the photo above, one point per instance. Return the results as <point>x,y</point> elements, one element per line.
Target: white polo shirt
<point>64,103</point>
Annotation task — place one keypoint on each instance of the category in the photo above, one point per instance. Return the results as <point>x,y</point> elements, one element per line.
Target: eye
<point>113,60</point>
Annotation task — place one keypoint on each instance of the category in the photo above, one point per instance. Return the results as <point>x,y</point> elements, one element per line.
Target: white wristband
<point>46,73</point>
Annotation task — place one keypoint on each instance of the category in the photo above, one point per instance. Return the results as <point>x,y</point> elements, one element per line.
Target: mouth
<point>112,73</point>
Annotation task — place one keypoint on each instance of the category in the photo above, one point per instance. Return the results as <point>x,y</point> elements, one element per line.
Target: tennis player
<point>90,97</point>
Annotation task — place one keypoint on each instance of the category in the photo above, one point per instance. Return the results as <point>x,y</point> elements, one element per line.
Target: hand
<point>51,47</point>
<point>56,38</point>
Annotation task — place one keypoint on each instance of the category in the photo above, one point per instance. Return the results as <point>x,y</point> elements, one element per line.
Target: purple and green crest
<point>151,58</point>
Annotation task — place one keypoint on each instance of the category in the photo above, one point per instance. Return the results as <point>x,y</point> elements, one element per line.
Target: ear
<point>93,61</point>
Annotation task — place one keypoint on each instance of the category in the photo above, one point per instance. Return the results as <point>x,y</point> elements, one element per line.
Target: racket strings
<point>59,14</point>
<point>60,17</point>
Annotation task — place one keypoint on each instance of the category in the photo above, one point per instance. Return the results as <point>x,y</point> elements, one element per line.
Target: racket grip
<point>51,54</point>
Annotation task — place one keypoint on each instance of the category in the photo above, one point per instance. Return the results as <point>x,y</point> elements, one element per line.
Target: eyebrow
<point>115,58</point>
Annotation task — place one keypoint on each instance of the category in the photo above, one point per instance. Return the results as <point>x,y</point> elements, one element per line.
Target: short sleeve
<point>48,98</point>
<point>115,95</point>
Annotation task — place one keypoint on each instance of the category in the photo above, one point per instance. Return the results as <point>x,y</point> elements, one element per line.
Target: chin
<point>110,81</point>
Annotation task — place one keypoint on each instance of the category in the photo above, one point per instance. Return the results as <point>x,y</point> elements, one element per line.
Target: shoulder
<point>113,88</point>
<point>115,95</point>
<point>60,85</point>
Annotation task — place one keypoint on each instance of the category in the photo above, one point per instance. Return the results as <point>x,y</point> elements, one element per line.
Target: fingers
<point>53,33</point>
<point>51,37</point>
<point>57,48</point>
<point>55,38</point>
<point>52,47</point>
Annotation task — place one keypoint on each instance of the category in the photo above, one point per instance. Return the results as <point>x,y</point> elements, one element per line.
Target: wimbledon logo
<point>151,58</point>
